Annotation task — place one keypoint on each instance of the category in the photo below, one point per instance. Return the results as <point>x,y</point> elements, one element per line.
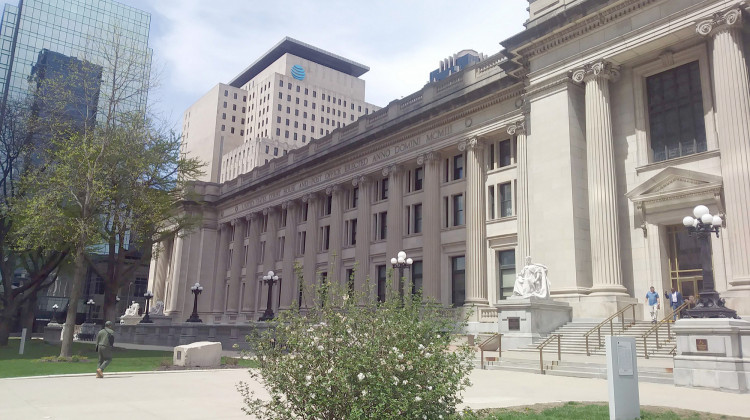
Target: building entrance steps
<point>573,340</point>
<point>656,370</point>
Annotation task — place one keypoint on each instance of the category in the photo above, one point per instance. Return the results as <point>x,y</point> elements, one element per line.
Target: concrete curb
<point>149,372</point>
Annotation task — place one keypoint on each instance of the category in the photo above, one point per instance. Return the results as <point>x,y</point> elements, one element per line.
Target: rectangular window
<point>675,112</point>
<point>458,167</point>
<point>417,218</point>
<point>458,280</point>
<point>384,189</point>
<point>280,249</point>
<point>504,152</point>
<point>351,232</point>
<point>325,238</point>
<point>506,261</point>
<point>416,277</point>
<point>354,198</point>
<point>458,210</point>
<point>327,205</point>
<point>382,278</point>
<point>301,238</point>
<point>506,200</point>
<point>262,251</point>
<point>381,225</point>
<point>418,178</point>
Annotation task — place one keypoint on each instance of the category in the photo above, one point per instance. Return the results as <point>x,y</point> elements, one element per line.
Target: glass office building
<point>79,31</point>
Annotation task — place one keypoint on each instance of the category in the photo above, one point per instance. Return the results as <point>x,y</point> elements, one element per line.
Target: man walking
<point>675,300</point>
<point>104,342</point>
<point>652,298</point>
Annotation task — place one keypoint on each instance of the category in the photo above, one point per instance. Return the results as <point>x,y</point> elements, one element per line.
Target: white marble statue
<point>158,308</point>
<point>531,281</point>
<point>132,310</point>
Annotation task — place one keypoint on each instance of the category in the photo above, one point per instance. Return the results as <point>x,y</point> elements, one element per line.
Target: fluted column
<point>337,221</point>
<point>176,273</point>
<point>269,260</point>
<point>522,193</point>
<point>431,241</point>
<point>310,268</point>
<point>220,279</point>
<point>251,264</point>
<point>235,272</point>
<point>395,219</point>
<point>602,185</point>
<point>732,92</point>
<point>290,233</point>
<point>163,255</point>
<point>364,231</point>
<point>476,235</point>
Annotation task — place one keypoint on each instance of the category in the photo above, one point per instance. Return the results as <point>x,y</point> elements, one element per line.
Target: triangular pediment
<point>672,183</point>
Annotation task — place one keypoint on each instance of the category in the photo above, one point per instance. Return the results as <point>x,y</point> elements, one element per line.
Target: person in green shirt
<point>104,342</point>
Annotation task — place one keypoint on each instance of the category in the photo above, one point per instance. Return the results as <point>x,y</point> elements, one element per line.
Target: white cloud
<point>200,43</point>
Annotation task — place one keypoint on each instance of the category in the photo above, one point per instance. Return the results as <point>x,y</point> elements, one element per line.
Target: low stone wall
<point>185,333</point>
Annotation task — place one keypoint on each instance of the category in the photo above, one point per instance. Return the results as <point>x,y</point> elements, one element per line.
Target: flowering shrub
<point>350,357</point>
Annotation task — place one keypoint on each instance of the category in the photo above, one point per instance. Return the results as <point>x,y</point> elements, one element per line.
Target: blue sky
<point>198,43</point>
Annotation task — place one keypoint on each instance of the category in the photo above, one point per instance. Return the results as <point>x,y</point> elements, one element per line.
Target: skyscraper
<point>79,33</point>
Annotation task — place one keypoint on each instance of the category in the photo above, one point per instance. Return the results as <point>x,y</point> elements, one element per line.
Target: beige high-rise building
<point>293,94</point>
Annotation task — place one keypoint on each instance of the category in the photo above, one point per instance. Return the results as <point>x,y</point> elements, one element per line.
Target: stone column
<point>289,280</point>
<point>337,221</point>
<point>431,241</point>
<point>732,93</point>
<point>251,264</point>
<point>522,214</point>
<point>602,185</point>
<point>476,234</point>
<point>163,259</point>
<point>271,253</point>
<point>220,279</point>
<point>310,268</point>
<point>239,227</point>
<point>174,278</point>
<point>364,231</point>
<point>394,241</point>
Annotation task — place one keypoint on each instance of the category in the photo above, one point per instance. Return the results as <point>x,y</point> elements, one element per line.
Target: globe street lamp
<point>400,262</point>
<point>195,290</point>
<point>269,279</point>
<point>710,304</point>
<point>147,319</point>
<point>90,304</point>
<point>54,312</point>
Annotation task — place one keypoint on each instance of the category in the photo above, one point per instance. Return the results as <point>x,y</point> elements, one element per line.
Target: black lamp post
<point>269,279</point>
<point>710,304</point>
<point>54,312</point>
<point>90,304</point>
<point>400,262</point>
<point>147,319</point>
<point>195,290</point>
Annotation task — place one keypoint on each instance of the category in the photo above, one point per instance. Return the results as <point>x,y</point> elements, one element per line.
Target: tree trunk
<point>6,320</point>
<point>28,314</point>
<point>75,295</point>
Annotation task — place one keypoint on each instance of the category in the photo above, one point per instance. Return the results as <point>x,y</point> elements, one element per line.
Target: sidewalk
<point>211,394</point>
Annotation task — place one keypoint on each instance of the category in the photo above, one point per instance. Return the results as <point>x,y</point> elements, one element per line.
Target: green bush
<point>350,357</point>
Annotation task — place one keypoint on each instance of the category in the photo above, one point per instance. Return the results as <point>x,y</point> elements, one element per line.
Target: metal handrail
<point>655,329</point>
<point>486,342</point>
<point>598,328</point>
<point>673,352</point>
<point>541,347</point>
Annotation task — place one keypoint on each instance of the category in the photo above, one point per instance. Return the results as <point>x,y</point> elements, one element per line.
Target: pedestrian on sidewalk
<point>675,300</point>
<point>104,342</point>
<point>652,298</point>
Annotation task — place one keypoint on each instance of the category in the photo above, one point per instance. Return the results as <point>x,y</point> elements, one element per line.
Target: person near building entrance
<point>652,298</point>
<point>104,342</point>
<point>675,300</point>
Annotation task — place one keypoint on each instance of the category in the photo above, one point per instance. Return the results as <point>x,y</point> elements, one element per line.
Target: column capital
<point>517,127</point>
<point>425,158</point>
<point>472,143</point>
<point>720,22</point>
<point>361,181</point>
<point>269,210</point>
<point>223,226</point>
<point>333,189</point>
<point>391,170</point>
<point>251,216</point>
<point>596,70</point>
<point>309,198</point>
<point>289,204</point>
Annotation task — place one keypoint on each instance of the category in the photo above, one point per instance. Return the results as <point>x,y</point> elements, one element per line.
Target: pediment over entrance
<point>675,186</point>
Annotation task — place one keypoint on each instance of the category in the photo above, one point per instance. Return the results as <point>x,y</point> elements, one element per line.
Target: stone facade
<point>551,148</point>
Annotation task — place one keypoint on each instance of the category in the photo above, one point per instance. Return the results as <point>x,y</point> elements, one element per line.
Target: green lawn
<point>582,411</point>
<point>13,364</point>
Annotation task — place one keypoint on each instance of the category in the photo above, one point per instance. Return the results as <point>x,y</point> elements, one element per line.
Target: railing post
<point>611,328</point>
<point>559,352</point>
<point>657,337</point>
<point>645,346</point>
<point>669,330</point>
<point>599,335</point>
<point>541,361</point>
<point>633,307</point>
<point>588,353</point>
<point>499,346</point>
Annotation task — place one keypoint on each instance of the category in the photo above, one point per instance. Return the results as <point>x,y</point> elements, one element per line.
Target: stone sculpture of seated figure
<point>132,310</point>
<point>158,308</point>
<point>531,281</point>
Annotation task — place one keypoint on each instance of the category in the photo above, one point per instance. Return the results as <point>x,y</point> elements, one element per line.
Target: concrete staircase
<point>575,362</point>
<point>574,342</point>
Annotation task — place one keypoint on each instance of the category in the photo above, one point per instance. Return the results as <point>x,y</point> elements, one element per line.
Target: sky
<point>199,43</point>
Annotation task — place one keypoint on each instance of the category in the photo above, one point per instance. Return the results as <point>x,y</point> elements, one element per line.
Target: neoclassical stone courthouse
<point>583,143</point>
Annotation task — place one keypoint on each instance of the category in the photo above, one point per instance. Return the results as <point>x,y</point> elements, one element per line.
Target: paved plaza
<point>211,394</point>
